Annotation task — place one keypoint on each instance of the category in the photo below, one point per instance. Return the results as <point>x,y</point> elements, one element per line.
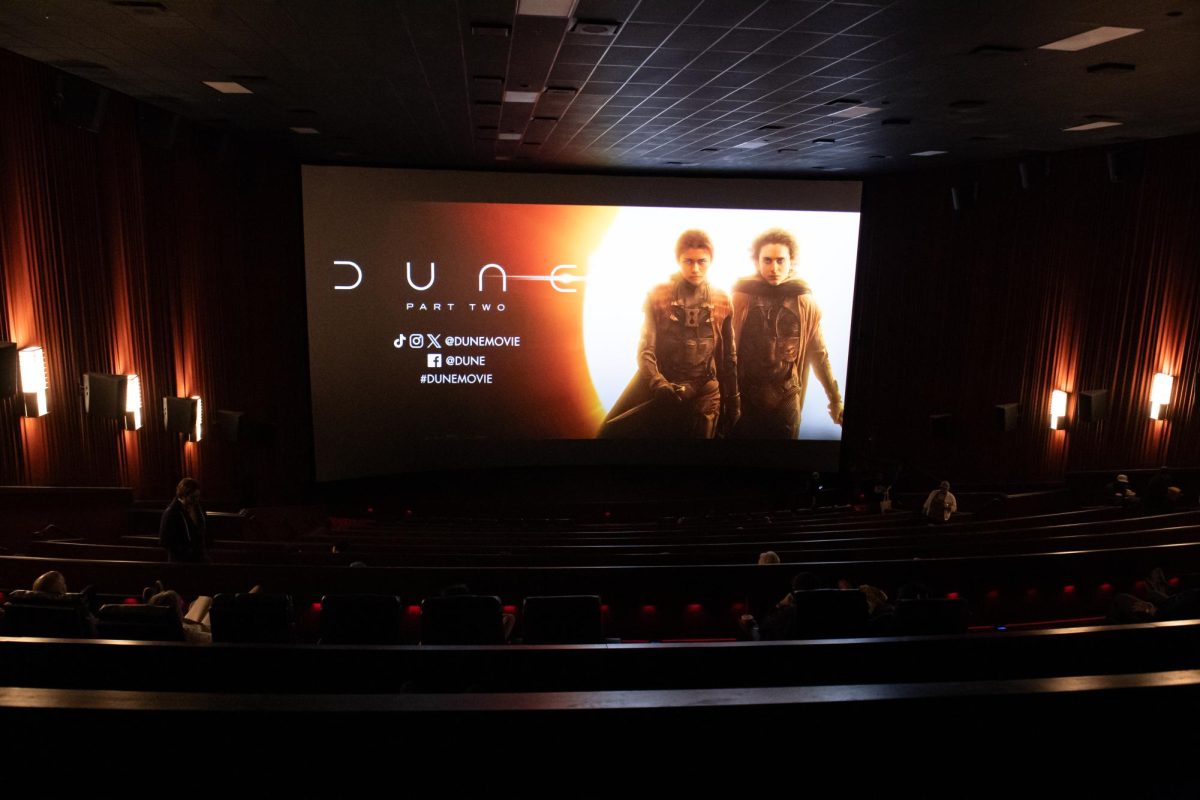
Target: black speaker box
<point>10,373</point>
<point>104,395</point>
<point>179,414</point>
<point>1093,405</point>
<point>78,103</point>
<point>941,426</point>
<point>1004,416</point>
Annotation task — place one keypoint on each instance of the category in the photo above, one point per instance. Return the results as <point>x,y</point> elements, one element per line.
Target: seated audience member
<point>769,557</point>
<point>1120,493</point>
<point>1164,604</point>
<point>778,622</point>
<point>51,582</point>
<point>882,613</point>
<point>183,529</point>
<point>940,505</point>
<point>195,630</point>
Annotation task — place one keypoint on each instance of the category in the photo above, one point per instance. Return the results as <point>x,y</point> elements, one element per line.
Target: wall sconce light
<point>184,415</point>
<point>33,381</point>
<point>1160,395</point>
<point>1058,410</point>
<point>133,403</point>
<point>198,431</point>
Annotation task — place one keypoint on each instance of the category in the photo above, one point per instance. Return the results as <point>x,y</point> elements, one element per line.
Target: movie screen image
<point>501,322</point>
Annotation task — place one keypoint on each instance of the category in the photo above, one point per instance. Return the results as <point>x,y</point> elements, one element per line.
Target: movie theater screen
<point>458,319</point>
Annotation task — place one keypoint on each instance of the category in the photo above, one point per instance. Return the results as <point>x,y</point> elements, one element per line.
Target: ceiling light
<point>509,137</point>
<point>749,145</point>
<point>546,8</point>
<point>1091,126</point>
<point>227,87</point>
<point>1090,38</point>
<point>520,97</point>
<point>924,153</point>
<point>305,131</point>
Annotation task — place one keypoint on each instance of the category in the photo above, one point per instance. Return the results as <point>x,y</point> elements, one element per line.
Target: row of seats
<point>452,619</point>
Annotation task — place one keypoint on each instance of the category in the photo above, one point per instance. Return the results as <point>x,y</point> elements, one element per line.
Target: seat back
<point>360,619</point>
<point>562,619</point>
<point>29,613</point>
<point>462,619</point>
<point>141,622</point>
<point>252,618</point>
<point>931,615</point>
<point>829,613</point>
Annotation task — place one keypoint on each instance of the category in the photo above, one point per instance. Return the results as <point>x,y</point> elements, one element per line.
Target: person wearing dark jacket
<point>183,530</point>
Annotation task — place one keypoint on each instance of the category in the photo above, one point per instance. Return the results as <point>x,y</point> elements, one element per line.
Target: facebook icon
<point>433,359</point>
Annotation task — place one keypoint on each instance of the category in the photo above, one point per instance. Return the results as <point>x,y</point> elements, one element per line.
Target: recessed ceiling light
<point>1091,126</point>
<point>546,8</point>
<point>1090,38</point>
<point>306,131</point>
<point>924,153</point>
<point>855,111</point>
<point>227,87</point>
<point>509,137</point>
<point>520,97</point>
<point>749,145</point>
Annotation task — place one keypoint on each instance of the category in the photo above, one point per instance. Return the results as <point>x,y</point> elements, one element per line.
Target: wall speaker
<point>10,372</point>
<point>78,103</point>
<point>941,426</point>
<point>104,395</point>
<point>1093,405</point>
<point>179,414</point>
<point>1004,417</point>
<point>227,426</point>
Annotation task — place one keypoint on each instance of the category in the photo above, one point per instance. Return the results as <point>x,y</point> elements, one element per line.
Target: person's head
<point>774,252</point>
<point>168,599</point>
<point>769,557</point>
<point>1122,478</point>
<point>876,597</point>
<point>694,253</point>
<point>188,490</point>
<point>51,582</point>
<point>944,486</point>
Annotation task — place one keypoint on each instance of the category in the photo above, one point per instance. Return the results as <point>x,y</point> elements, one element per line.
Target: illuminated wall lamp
<point>1160,395</point>
<point>133,403</point>
<point>33,381</point>
<point>1058,410</point>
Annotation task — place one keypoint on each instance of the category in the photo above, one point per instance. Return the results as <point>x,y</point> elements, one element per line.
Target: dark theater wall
<point>1075,283</point>
<point>182,265</point>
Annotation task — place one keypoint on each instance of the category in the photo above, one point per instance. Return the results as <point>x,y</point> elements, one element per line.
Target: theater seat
<point>29,613</point>
<point>829,613</point>
<point>462,619</point>
<point>930,616</point>
<point>252,618</point>
<point>562,619</point>
<point>360,619</point>
<point>140,622</point>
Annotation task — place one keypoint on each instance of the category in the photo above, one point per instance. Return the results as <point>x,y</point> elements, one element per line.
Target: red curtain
<point>182,265</point>
<point>1074,283</point>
